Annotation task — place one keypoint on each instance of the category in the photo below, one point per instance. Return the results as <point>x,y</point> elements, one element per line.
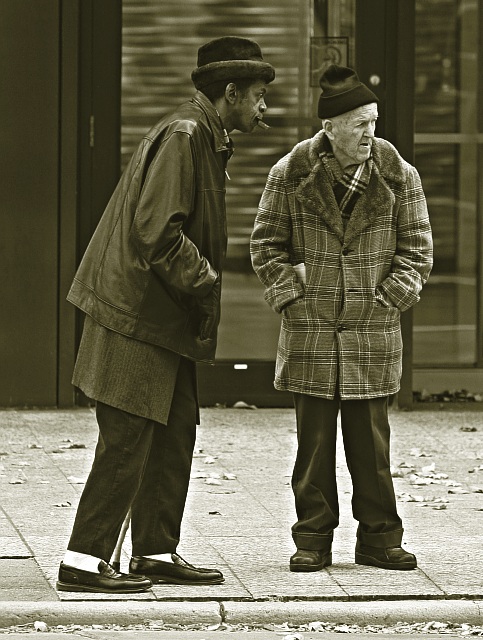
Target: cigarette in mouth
<point>262,124</point>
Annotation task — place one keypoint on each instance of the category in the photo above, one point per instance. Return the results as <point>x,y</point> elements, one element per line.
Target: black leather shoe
<point>177,572</point>
<point>310,560</point>
<point>106,581</point>
<point>389,558</point>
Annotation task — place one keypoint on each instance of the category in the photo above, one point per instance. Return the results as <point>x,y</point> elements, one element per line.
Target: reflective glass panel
<point>446,86</point>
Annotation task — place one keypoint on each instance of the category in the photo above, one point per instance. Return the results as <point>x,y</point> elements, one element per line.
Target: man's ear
<point>231,92</point>
<point>328,127</point>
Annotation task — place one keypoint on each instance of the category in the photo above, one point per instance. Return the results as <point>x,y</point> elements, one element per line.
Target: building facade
<point>106,74</point>
<point>300,39</point>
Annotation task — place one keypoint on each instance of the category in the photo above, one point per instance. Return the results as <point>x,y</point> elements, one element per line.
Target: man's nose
<point>263,107</point>
<point>369,132</point>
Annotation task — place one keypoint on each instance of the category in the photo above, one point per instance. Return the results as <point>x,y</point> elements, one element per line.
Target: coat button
<point>345,251</point>
<point>341,327</point>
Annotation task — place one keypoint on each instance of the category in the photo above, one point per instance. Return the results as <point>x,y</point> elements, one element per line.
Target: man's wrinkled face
<point>250,106</point>
<point>351,134</point>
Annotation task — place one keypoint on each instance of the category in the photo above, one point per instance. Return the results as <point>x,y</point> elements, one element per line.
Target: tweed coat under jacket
<point>343,326</point>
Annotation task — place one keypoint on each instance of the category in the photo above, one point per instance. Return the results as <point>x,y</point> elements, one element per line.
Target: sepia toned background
<point>85,80</point>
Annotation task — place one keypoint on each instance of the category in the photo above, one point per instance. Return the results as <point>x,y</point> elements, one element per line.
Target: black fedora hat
<point>228,58</point>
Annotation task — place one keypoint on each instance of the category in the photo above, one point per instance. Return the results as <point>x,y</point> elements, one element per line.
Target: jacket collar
<point>214,121</point>
<point>315,190</point>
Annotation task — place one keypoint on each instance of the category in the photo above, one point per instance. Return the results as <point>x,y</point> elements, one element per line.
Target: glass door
<point>447,140</point>
<point>303,41</point>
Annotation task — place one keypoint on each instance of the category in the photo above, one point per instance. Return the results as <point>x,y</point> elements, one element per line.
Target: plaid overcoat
<point>343,326</point>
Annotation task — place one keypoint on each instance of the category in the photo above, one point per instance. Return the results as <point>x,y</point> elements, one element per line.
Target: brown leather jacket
<point>152,268</point>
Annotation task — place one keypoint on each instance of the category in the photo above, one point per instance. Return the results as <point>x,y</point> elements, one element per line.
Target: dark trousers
<point>142,465</point>
<point>366,436</point>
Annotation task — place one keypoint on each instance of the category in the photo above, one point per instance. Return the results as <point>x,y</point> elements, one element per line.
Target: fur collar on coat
<point>314,190</point>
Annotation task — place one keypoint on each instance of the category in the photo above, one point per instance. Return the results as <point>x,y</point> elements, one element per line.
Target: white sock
<point>165,557</point>
<point>82,561</point>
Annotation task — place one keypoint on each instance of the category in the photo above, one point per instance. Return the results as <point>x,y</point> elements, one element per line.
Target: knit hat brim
<point>231,70</point>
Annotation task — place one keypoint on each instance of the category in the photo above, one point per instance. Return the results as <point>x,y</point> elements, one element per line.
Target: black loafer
<point>177,572</point>
<point>106,581</point>
<point>310,560</point>
<point>390,558</point>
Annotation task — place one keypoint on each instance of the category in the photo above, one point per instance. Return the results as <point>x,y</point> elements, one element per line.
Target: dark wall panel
<point>29,111</point>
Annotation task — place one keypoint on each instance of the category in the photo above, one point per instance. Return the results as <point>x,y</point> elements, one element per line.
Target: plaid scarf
<point>347,185</point>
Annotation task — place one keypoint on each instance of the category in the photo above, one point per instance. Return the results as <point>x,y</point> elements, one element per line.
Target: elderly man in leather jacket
<point>149,284</point>
<point>342,243</point>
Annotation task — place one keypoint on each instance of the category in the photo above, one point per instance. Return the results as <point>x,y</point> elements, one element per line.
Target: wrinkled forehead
<point>361,114</point>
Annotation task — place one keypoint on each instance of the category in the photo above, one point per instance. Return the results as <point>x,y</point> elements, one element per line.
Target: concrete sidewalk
<point>238,518</point>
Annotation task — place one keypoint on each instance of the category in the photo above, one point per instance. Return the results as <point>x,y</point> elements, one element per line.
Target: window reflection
<point>446,157</point>
<point>156,77</point>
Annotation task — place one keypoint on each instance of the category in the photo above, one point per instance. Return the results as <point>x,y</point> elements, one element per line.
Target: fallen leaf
<point>405,465</point>
<point>417,481</point>
<point>40,626</point>
<point>214,513</point>
<point>214,627</point>
<point>196,475</point>
<point>434,625</point>
<point>243,405</point>
<point>74,445</point>
<point>451,483</point>
<point>74,480</point>
<point>222,492</point>
<point>458,490</point>
<point>209,460</point>
<point>63,504</point>
<point>417,453</point>
<point>407,497</point>
<point>212,481</point>
<point>229,476</point>
<point>342,628</point>
<point>468,429</point>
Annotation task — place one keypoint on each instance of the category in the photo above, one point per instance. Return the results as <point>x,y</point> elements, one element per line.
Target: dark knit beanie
<point>342,91</point>
<point>229,58</point>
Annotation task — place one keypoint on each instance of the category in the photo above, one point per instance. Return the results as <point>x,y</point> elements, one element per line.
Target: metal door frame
<point>90,124</point>
<point>385,50</point>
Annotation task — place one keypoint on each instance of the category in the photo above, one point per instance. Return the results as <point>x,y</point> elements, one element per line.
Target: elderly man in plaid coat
<point>342,243</point>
